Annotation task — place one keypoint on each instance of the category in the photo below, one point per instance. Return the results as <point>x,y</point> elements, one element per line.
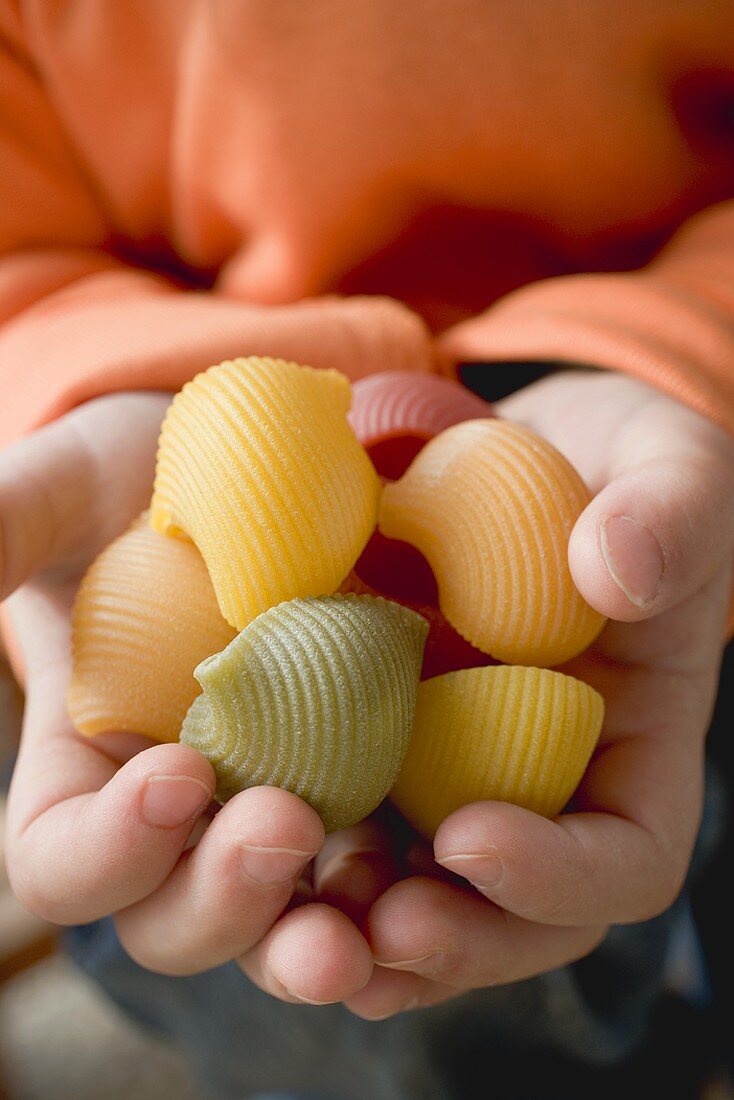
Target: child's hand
<point>553,887</point>
<point>88,837</point>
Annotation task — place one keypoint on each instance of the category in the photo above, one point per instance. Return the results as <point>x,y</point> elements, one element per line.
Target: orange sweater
<point>177,175</point>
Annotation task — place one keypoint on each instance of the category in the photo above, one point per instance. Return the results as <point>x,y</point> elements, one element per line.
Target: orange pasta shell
<point>145,617</point>
<point>492,505</point>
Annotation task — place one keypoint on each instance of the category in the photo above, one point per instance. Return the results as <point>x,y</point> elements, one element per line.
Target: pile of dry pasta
<point>348,603</point>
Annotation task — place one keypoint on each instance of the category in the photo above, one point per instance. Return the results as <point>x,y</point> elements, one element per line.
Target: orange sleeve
<point>76,323</point>
<point>670,324</point>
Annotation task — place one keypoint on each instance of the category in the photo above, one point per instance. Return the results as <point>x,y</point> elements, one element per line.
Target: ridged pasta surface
<point>492,505</point>
<point>316,696</point>
<point>508,733</point>
<point>258,466</point>
<point>394,413</point>
<point>145,617</point>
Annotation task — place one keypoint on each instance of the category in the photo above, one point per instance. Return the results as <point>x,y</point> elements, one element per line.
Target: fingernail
<point>421,965</point>
<point>269,866</point>
<point>478,868</point>
<point>172,800</point>
<point>633,557</point>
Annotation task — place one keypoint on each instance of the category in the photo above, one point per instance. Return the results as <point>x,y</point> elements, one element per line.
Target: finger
<point>579,869</point>
<point>354,867</point>
<point>664,524</point>
<point>225,893</point>
<point>60,487</point>
<point>313,955</point>
<point>389,992</point>
<point>452,936</point>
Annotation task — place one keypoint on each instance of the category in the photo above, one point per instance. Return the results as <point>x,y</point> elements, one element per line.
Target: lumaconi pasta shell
<point>259,467</point>
<point>145,617</point>
<point>394,413</point>
<point>508,733</point>
<point>316,696</point>
<point>492,505</point>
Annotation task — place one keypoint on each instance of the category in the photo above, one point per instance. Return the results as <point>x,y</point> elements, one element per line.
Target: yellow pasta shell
<point>259,467</point>
<point>512,734</point>
<point>316,696</point>
<point>145,616</point>
<point>492,505</point>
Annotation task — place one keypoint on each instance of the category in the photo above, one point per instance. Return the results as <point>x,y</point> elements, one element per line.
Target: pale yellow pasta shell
<point>258,466</point>
<point>145,616</point>
<point>511,734</point>
<point>316,696</point>
<point>492,505</point>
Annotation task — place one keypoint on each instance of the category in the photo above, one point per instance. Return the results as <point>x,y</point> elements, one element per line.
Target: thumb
<point>664,525</point>
<point>70,487</point>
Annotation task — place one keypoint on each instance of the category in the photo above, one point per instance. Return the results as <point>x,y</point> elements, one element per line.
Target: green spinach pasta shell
<point>316,696</point>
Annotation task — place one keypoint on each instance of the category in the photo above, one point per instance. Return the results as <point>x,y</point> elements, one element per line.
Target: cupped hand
<point>81,842</point>
<point>114,824</point>
<point>504,894</point>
